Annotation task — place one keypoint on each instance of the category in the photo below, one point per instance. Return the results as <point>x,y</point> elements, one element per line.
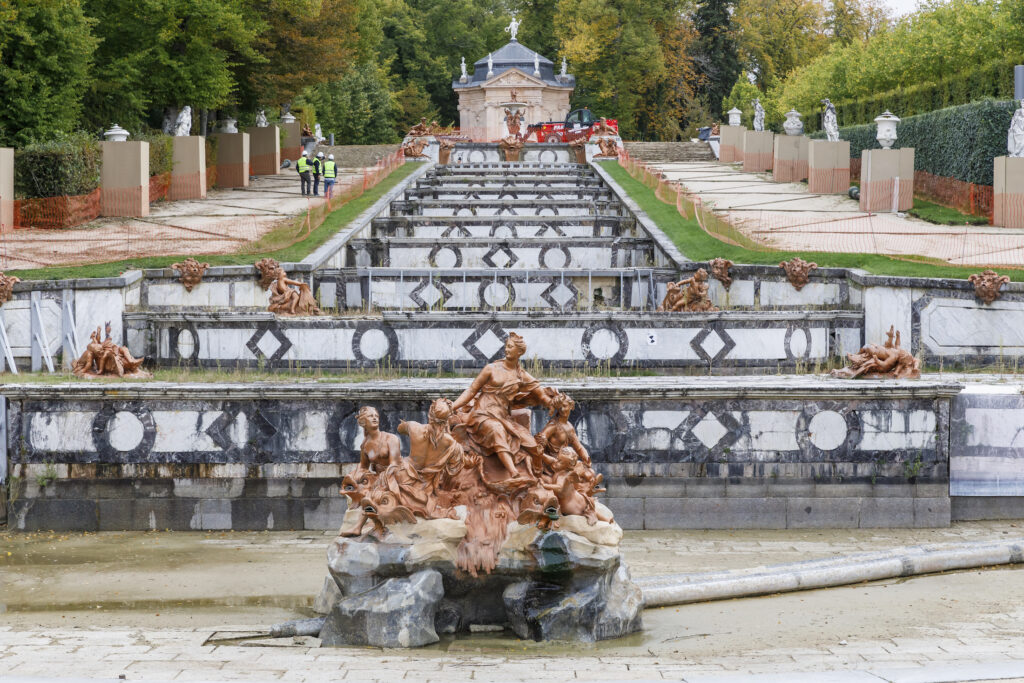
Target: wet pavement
<point>191,606</point>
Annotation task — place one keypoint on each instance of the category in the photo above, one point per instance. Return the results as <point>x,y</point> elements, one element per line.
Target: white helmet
<point>331,157</point>
<point>305,153</point>
<point>320,155</point>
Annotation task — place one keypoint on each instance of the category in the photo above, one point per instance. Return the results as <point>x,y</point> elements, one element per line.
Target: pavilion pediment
<point>513,77</point>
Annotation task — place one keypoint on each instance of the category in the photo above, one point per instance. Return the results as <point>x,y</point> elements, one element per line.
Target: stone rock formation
<point>7,283</point>
<point>798,271</point>
<point>720,271</point>
<point>504,520</point>
<point>103,358</point>
<point>987,284</point>
<point>191,272</point>
<point>689,295</point>
<point>881,362</point>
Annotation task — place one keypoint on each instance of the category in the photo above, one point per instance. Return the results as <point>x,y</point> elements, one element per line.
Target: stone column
<point>789,164</point>
<point>828,166</point>
<point>6,189</point>
<point>757,150</point>
<point>188,178</point>
<point>124,180</point>
<point>887,180</point>
<point>232,160</point>
<point>731,144</point>
<point>1008,192</point>
<point>265,149</point>
<point>291,148</point>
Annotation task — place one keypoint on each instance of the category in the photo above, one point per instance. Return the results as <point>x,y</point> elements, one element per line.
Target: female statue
<point>1015,138</point>
<point>486,409</point>
<point>379,450</point>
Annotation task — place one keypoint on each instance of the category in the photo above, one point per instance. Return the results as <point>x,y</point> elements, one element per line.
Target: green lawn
<point>943,215</point>
<point>698,245</point>
<point>251,253</point>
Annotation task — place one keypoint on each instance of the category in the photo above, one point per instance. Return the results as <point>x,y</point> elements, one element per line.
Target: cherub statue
<point>692,299</point>
<point>261,119</point>
<point>414,148</point>
<point>191,272</point>
<point>107,358</point>
<point>566,485</point>
<point>420,129</point>
<point>609,147</point>
<point>882,362</point>
<point>284,300</point>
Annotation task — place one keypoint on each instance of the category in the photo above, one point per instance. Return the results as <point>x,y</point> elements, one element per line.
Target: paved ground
<point>221,223</point>
<point>786,216</point>
<point>185,606</point>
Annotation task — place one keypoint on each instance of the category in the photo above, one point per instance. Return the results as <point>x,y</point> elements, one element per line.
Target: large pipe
<point>678,589</point>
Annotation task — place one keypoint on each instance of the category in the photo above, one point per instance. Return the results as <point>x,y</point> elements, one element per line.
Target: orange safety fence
<point>57,212</point>
<point>158,187</point>
<point>186,186</point>
<point>866,232</point>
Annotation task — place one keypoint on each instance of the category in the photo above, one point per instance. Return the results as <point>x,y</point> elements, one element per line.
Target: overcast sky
<point>901,7</point>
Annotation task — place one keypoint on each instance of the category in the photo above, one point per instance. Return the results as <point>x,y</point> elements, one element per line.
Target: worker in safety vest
<point>305,169</point>
<point>318,170</point>
<point>330,174</point>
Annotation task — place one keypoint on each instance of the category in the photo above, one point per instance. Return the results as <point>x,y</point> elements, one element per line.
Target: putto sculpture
<point>798,271</point>
<point>267,269</point>
<point>689,295</point>
<point>7,283</point>
<point>1015,136</point>
<point>414,149</point>
<point>291,297</point>
<point>758,114</point>
<point>987,285</point>
<point>601,127</point>
<point>720,271</point>
<point>191,272</point>
<point>607,147</point>
<point>420,129</point>
<point>881,362</point>
<point>829,121</point>
<point>103,358</point>
<point>261,119</point>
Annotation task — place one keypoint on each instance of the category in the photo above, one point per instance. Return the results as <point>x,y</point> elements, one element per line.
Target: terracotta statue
<point>720,271</point>
<point>284,300</point>
<point>306,132</point>
<point>414,148</point>
<point>102,357</point>
<point>267,268</point>
<point>692,299</point>
<point>7,283</point>
<point>882,362</point>
<point>601,127</point>
<point>987,284</point>
<point>609,147</point>
<point>510,147</point>
<point>191,272</point>
<point>513,120</point>
<point>798,271</point>
<point>579,150</point>
<point>716,129</point>
<point>477,460</point>
<point>420,129</point>
<point>444,151</point>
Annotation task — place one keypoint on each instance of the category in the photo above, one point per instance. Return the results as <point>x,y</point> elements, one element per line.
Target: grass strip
<point>943,215</point>
<point>698,245</point>
<point>335,221</point>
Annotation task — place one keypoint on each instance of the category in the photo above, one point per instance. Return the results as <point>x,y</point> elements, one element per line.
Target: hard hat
<point>331,157</point>
<point>305,153</point>
<point>320,155</point>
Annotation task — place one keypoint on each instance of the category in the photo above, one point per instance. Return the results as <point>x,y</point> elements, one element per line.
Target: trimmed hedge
<point>955,142</point>
<point>993,80</point>
<point>161,152</point>
<point>69,166</point>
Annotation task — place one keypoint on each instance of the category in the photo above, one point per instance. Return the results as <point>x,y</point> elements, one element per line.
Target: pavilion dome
<point>515,55</point>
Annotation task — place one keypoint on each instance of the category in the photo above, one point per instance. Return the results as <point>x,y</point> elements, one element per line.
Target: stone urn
<point>116,134</point>
<point>886,129</point>
<point>229,125</point>
<point>287,117</point>
<point>793,125</point>
<point>734,116</point>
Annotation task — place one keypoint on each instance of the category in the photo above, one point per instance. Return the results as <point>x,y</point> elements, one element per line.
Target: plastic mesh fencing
<point>159,186</point>
<point>57,212</point>
<point>858,232</point>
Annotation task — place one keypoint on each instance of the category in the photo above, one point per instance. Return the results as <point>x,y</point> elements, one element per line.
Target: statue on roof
<point>513,28</point>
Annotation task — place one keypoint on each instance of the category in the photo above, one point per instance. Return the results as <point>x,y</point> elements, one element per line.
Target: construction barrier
<point>159,185</point>
<point>57,212</point>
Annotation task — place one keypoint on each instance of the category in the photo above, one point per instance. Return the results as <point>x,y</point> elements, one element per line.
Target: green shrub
<point>161,152</point>
<point>956,142</point>
<point>211,151</point>
<point>69,165</point>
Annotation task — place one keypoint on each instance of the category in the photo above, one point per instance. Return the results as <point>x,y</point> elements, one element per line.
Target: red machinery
<point>578,124</point>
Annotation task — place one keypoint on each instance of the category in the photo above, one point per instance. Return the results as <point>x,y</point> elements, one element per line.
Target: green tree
<point>715,52</point>
<point>358,108</point>
<point>775,36</point>
<point>46,49</point>
<point>856,20</point>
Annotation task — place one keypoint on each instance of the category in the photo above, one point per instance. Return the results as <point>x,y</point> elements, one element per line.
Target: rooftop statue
<point>463,76</point>
<point>829,121</point>
<point>1015,138</point>
<point>513,29</point>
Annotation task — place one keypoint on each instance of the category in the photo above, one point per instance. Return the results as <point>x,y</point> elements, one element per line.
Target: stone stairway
<point>665,152</point>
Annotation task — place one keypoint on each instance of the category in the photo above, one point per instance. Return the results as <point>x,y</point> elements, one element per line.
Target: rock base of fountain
<point>567,583</point>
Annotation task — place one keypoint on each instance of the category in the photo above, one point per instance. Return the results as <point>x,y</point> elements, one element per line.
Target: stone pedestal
<point>828,166</point>
<point>291,147</point>
<point>264,150</point>
<point>233,160</point>
<point>188,178</point>
<point>757,150</point>
<point>731,144</point>
<point>1008,192</point>
<point>6,189</point>
<point>790,158</point>
<point>124,180</point>
<point>887,180</point>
